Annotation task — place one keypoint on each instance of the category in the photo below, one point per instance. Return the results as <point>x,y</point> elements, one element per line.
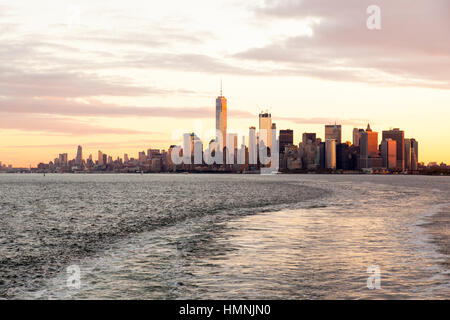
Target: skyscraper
<point>333,132</point>
<point>252,146</point>
<point>232,147</point>
<point>407,156</point>
<point>414,154</point>
<point>343,156</point>
<point>79,158</point>
<point>389,153</point>
<point>152,153</point>
<point>196,147</point>
<point>411,154</point>
<point>356,136</point>
<point>142,157</point>
<point>286,139</point>
<point>330,154</point>
<point>368,143</point>
<point>63,159</point>
<point>322,155</point>
<point>399,136</point>
<point>89,161</point>
<point>170,163</point>
<point>308,136</point>
<point>100,158</point>
<point>221,119</point>
<point>274,129</point>
<point>265,123</point>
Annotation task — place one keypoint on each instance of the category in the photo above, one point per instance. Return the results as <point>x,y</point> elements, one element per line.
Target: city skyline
<point>395,153</point>
<point>122,78</point>
<point>370,143</point>
<point>373,152</point>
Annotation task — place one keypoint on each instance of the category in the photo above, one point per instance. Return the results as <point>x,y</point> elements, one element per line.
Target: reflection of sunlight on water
<point>320,249</point>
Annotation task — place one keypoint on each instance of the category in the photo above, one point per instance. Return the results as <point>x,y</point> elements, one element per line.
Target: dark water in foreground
<point>224,236</point>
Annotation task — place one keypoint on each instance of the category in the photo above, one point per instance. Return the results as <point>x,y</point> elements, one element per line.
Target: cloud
<point>71,117</point>
<point>58,126</point>
<point>59,84</point>
<point>411,49</point>
<point>95,108</point>
<point>99,52</point>
<point>191,62</point>
<point>157,36</point>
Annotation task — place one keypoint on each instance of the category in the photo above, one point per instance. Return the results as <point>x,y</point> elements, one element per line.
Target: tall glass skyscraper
<point>330,153</point>
<point>286,139</point>
<point>399,136</point>
<point>265,123</point>
<point>221,120</point>
<point>356,136</point>
<point>79,158</point>
<point>411,154</point>
<point>333,132</point>
<point>414,154</point>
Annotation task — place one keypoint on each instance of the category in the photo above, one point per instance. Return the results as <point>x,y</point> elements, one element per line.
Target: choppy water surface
<point>224,236</point>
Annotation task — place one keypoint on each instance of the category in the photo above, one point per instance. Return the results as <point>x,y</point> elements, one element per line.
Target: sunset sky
<point>126,76</point>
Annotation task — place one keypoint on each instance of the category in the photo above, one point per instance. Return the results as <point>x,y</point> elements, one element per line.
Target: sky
<point>123,77</point>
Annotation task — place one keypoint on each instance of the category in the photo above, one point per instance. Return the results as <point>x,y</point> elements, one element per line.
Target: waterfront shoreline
<point>240,173</point>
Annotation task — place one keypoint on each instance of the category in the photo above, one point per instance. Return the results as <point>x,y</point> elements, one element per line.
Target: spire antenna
<point>221,87</point>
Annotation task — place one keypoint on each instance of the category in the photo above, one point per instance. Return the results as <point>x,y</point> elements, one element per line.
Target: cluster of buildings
<point>223,153</point>
<point>153,160</point>
<point>5,167</point>
<point>395,153</point>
